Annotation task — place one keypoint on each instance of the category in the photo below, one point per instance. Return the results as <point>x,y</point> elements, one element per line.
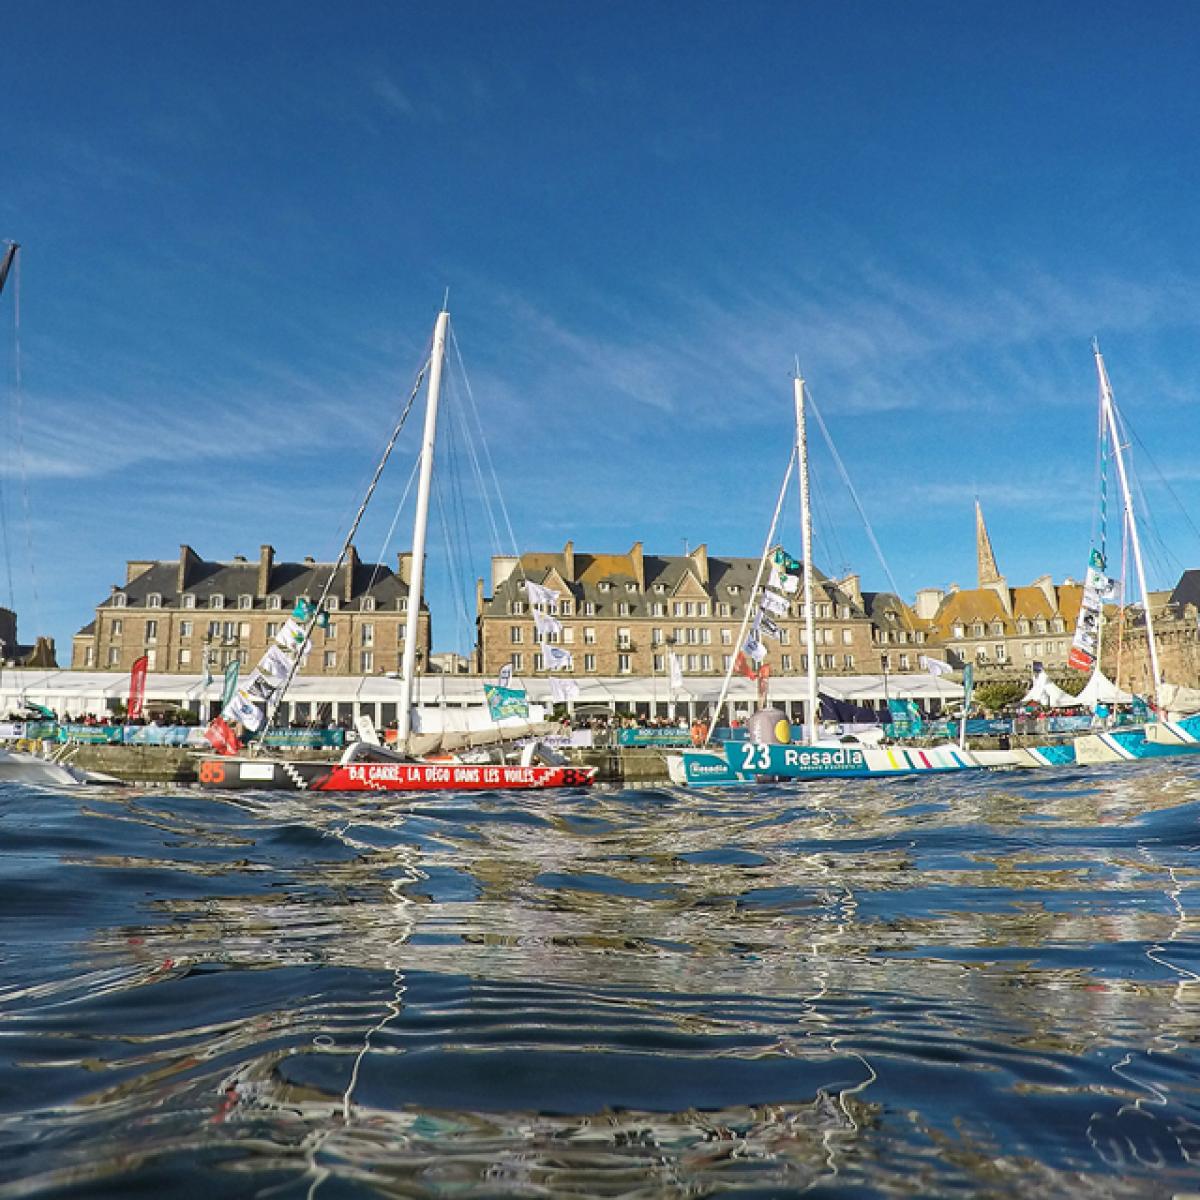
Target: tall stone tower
<point>989,573</point>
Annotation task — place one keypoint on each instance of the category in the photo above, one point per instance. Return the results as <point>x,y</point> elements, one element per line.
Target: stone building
<point>12,653</point>
<point>188,613</point>
<point>1125,651</point>
<point>622,614</point>
<point>1002,630</point>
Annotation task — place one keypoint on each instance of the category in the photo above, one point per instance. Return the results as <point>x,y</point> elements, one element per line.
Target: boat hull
<point>751,762</point>
<point>283,775</point>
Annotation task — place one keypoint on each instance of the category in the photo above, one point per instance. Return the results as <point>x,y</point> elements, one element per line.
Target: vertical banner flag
<point>231,681</point>
<point>1096,589</point>
<point>137,687</point>
<point>968,685</point>
<point>676,668</point>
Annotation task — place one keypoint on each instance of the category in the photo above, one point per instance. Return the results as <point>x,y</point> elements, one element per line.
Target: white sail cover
<point>1101,690</point>
<point>1179,700</point>
<point>1048,694</point>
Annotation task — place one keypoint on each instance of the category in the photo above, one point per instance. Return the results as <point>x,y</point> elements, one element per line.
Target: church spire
<point>989,573</point>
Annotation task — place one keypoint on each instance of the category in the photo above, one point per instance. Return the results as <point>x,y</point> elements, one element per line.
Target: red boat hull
<point>276,775</point>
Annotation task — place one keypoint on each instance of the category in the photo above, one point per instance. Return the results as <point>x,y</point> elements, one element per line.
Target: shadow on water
<point>984,985</point>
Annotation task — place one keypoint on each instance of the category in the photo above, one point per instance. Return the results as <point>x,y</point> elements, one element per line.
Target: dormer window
<point>189,600</point>
<point>997,629</point>
<point>368,604</point>
<point>660,588</point>
<point>564,608</point>
<point>603,587</point>
<point>154,600</point>
<point>734,588</point>
<point>631,587</point>
<point>216,601</point>
<point>245,601</point>
<point>331,604</point>
<point>119,600</point>
<point>403,603</point>
<point>275,601</point>
<point>977,629</point>
<point>516,607</point>
<point>960,631</point>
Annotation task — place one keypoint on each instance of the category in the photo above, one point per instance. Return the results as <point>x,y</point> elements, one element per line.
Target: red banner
<point>221,737</point>
<point>743,666</point>
<point>137,688</point>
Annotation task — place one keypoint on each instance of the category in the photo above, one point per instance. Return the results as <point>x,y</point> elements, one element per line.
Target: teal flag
<point>505,702</point>
<point>968,685</point>
<point>785,562</point>
<point>231,681</point>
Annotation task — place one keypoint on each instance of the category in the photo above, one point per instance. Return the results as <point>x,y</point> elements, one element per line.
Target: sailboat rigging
<point>368,766</point>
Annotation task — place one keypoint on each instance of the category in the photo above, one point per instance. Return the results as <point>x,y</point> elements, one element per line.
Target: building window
<point>331,603</point>
<point>623,609</point>
<point>273,629</point>
<point>564,608</point>
<point>723,609</point>
<point>516,634</point>
<point>331,631</point>
<point>185,629</point>
<point>189,600</point>
<point>569,634</point>
<point>1058,625</point>
<point>660,662</point>
<point>847,637</point>
<point>658,609</point>
<point>691,662</point>
<point>117,627</point>
<point>824,611</point>
<point>368,604</point>
<point>726,659</point>
<point>367,635</point>
<point>516,607</point>
<point>119,600</point>
<point>330,659</point>
<point>624,664</point>
<point>154,600</point>
<point>785,637</point>
<point>603,587</point>
<point>706,662</point>
<point>518,661</point>
<point>726,637</point>
<point>185,657</point>
<point>828,661</point>
<point>589,635</point>
<point>216,601</point>
<point>152,631</point>
<point>214,629</point>
<point>589,608</point>
<point>785,662</point>
<point>366,661</point>
<point>589,662</point>
<point>959,631</point>
<point>631,587</point>
<point>702,608</point>
<point>656,637</point>
<point>677,609</point>
<point>402,604</point>
<point>624,641</point>
<point>245,601</point>
<point>114,656</point>
<point>274,601</point>
<point>997,629</point>
<point>904,663</point>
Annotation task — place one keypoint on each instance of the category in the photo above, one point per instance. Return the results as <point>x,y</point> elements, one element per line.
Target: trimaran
<point>367,766</point>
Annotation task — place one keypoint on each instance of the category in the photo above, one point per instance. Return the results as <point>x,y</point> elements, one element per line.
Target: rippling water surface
<point>983,986</point>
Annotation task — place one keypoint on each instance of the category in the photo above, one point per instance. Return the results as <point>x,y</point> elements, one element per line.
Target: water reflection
<point>984,985</point>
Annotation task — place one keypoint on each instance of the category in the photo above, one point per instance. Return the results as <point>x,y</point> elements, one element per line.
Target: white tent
<point>1048,694</point>
<point>1101,690</point>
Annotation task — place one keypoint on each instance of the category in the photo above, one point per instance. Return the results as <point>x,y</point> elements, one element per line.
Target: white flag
<point>765,625</point>
<point>275,665</point>
<point>242,709</point>
<point>1104,587</point>
<point>557,659</point>
<point>755,649</point>
<point>540,595</point>
<point>546,625</point>
<point>505,676</point>
<point>783,581</point>
<point>935,666</point>
<point>563,689</point>
<point>292,636</point>
<point>772,602</point>
<point>676,671</point>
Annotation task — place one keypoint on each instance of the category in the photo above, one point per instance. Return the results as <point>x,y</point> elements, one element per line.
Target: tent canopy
<point>1101,690</point>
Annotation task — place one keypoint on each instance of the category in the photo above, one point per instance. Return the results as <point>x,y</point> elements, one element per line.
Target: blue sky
<point>239,220</point>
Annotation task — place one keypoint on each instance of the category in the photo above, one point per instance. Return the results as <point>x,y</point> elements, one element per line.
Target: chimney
<point>852,586</point>
<point>479,597</point>
<point>351,570</point>
<point>569,563</point>
<point>929,600</point>
<point>503,566</point>
<point>404,567</point>
<point>266,560</point>
<point>188,559</point>
<point>700,557</point>
<point>639,565</point>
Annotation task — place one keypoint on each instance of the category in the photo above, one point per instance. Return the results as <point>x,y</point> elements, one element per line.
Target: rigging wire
<point>9,259</point>
<point>19,406</point>
<point>841,466</point>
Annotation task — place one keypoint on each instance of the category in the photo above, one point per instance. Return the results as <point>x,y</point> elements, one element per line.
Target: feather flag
<point>557,659</point>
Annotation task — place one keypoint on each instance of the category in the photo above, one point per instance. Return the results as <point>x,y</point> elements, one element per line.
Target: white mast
<point>1109,409</point>
<point>810,637</point>
<point>420,520</point>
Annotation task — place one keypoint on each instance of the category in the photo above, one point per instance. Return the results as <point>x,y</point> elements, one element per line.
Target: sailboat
<point>367,766</point>
<point>775,757</point>
<point>1159,738</point>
